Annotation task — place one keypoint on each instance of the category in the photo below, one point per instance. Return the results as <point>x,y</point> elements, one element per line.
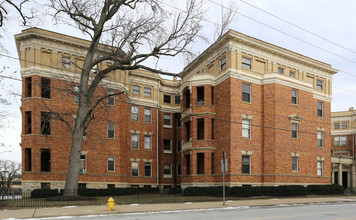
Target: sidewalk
<point>134,208</point>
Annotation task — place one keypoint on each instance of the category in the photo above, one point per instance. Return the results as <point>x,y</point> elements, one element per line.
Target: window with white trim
<point>320,109</point>
<point>147,92</point>
<point>111,129</point>
<point>167,170</point>
<point>294,130</point>
<point>320,167</point>
<point>76,94</point>
<point>295,164</point>
<point>294,96</point>
<point>246,63</point>
<point>319,84</point>
<point>344,125</point>
<point>280,70</point>
<point>337,125</point>
<point>223,63</point>
<point>148,144</point>
<point>246,164</point>
<point>83,164</point>
<point>167,122</point>
<point>135,90</point>
<point>111,163</point>
<point>167,146</point>
<point>320,137</point>
<point>66,62</point>
<point>246,128</point>
<point>134,168</point>
<point>134,113</point>
<point>246,92</point>
<point>111,99</point>
<point>134,141</point>
<point>148,115</point>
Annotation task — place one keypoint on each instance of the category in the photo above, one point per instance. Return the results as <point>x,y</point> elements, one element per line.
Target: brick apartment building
<point>343,141</point>
<point>266,107</point>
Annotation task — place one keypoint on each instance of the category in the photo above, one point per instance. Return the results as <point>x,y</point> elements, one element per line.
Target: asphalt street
<point>340,211</point>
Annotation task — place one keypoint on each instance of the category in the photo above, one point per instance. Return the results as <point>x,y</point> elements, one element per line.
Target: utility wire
<point>299,27</point>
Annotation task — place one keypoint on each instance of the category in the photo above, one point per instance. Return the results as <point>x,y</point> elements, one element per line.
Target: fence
<point>24,199</point>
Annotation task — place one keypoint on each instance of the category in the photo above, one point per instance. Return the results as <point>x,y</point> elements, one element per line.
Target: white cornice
<point>343,132</point>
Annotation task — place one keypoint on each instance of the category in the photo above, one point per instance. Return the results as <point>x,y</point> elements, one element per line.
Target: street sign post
<point>224,169</point>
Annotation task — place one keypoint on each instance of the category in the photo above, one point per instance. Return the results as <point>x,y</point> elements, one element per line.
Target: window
<point>82,186</point>
<point>319,84</point>
<point>167,170</point>
<point>76,94</point>
<point>134,141</point>
<point>147,112</point>
<point>147,92</point>
<point>83,164</point>
<point>45,160</point>
<point>179,169</point>
<point>320,109</point>
<point>343,125</point>
<point>45,123</point>
<point>320,137</point>
<point>147,142</point>
<point>179,146</point>
<point>134,168</point>
<point>200,95</point>
<point>337,125</point>
<point>45,186</point>
<point>246,63</point>
<point>200,128</point>
<point>111,163</point>
<point>167,99</point>
<point>66,62</point>
<point>223,63</point>
<point>200,163</point>
<point>134,113</point>
<point>148,172</point>
<point>294,164</point>
<point>135,90</point>
<point>294,96</point>
<point>28,122</point>
<point>111,129</point>
<point>177,99</point>
<point>167,120</point>
<point>246,164</point>
<point>343,140</point>
<point>28,159</point>
<point>337,141</point>
<point>45,88</point>
<point>167,148</point>
<point>246,92</point>
<point>178,121</point>
<point>280,70</point>
<point>294,130</point>
<point>291,73</point>
<point>212,129</point>
<point>212,95</point>
<point>246,128</point>
<point>340,140</point>
<point>320,165</point>
<point>28,87</point>
<point>111,99</point>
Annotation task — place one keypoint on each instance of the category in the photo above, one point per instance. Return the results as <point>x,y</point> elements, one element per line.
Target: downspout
<point>157,141</point>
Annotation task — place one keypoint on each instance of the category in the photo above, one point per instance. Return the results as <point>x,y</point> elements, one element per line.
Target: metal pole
<point>224,178</point>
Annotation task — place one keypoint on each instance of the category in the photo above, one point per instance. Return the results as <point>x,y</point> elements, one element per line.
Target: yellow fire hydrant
<point>111,204</point>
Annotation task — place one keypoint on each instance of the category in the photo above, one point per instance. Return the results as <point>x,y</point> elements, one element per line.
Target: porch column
<point>353,177</point>
<point>339,175</point>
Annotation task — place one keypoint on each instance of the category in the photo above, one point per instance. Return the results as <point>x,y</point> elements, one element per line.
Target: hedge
<point>248,191</point>
<point>44,193</point>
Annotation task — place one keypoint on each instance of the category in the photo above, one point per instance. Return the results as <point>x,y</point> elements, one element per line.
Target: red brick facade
<point>231,101</point>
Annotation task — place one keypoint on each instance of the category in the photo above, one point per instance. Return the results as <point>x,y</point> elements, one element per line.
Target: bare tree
<point>128,34</point>
<point>227,15</point>
<point>10,172</point>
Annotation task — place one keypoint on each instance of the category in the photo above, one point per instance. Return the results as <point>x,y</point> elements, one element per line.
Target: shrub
<point>319,189</point>
<point>336,189</point>
<point>175,190</point>
<point>44,193</point>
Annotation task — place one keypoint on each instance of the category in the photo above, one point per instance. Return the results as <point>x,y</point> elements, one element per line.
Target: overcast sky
<point>333,20</point>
